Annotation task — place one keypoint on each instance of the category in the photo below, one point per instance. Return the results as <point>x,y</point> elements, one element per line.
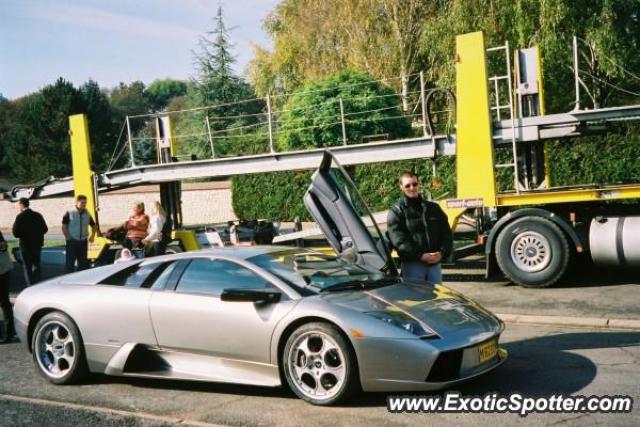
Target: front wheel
<point>58,351</point>
<point>320,365</point>
<point>532,252</point>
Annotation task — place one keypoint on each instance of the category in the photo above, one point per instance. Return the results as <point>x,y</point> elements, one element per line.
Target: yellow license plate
<point>487,351</point>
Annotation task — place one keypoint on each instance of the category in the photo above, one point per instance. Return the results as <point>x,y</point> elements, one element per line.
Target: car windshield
<point>314,271</point>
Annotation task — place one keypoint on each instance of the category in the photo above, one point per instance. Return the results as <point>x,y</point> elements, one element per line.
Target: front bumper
<point>410,365</point>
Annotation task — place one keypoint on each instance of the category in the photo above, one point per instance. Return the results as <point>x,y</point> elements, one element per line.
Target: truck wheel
<point>532,252</point>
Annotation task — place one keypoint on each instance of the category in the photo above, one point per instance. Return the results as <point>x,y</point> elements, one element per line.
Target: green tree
<point>312,116</point>
<point>230,100</point>
<point>161,92</point>
<point>312,40</point>
<point>5,123</point>
<point>37,145</point>
<point>130,99</point>
<point>103,129</point>
<point>133,100</point>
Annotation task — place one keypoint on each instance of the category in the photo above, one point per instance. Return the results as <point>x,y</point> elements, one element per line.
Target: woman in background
<point>137,229</point>
<point>155,239</point>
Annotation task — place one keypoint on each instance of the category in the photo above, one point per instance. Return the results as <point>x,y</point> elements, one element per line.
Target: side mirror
<point>250,295</point>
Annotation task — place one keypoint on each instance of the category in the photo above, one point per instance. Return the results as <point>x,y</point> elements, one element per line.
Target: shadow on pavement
<point>197,386</point>
<point>593,276</point>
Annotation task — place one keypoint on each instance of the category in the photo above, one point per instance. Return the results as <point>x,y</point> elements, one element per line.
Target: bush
<point>311,117</point>
<point>609,159</point>
<point>278,195</point>
<point>274,196</point>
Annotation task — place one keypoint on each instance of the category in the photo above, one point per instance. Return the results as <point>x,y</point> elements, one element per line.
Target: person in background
<point>420,232</point>
<point>6,265</point>
<point>137,229</point>
<point>156,238</point>
<point>75,227</point>
<point>30,228</point>
<point>125,255</point>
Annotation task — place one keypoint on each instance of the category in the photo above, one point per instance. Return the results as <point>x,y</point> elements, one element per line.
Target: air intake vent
<point>446,367</point>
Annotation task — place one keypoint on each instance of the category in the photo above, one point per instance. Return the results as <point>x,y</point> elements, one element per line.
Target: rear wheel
<point>58,351</point>
<point>532,252</point>
<point>319,364</point>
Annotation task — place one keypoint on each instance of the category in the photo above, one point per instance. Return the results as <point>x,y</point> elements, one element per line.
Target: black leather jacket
<point>30,228</point>
<point>416,226</point>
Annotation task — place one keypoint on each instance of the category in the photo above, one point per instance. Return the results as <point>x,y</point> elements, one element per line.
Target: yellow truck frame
<point>531,234</point>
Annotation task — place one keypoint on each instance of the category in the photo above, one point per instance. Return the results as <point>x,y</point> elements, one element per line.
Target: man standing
<point>75,227</point>
<point>419,231</point>
<point>30,228</point>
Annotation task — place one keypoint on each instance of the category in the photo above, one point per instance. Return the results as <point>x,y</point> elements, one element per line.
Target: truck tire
<point>532,252</point>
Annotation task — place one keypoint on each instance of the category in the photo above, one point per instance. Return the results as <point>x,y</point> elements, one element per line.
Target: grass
<point>47,244</point>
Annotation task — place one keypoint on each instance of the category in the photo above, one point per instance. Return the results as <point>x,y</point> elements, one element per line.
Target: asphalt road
<point>543,360</point>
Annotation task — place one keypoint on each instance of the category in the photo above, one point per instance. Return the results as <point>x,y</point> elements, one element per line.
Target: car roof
<point>96,275</point>
<point>240,252</point>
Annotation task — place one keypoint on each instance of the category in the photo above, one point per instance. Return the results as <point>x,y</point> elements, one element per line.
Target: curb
<point>584,322</point>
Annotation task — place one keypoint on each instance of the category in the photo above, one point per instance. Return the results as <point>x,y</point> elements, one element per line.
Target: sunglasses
<point>411,184</point>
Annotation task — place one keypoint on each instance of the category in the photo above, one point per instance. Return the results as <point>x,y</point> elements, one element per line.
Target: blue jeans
<point>421,271</point>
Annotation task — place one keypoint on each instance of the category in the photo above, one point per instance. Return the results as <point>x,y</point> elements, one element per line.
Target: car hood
<point>443,310</point>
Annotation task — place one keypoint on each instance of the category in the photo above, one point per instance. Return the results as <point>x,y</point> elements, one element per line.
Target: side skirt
<point>138,360</point>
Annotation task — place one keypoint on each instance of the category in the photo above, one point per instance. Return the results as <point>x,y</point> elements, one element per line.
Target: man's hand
<point>65,231</point>
<point>95,231</point>
<point>431,257</point>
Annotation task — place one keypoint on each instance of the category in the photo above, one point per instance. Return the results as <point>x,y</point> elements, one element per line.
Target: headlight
<point>403,321</point>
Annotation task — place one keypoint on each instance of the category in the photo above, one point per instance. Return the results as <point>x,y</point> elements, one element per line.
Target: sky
<point>114,41</point>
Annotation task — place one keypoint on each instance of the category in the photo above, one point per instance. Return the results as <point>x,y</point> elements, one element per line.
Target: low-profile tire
<point>58,350</point>
<point>319,364</point>
<point>532,252</point>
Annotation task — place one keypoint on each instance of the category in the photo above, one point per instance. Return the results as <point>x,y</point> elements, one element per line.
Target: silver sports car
<point>326,325</point>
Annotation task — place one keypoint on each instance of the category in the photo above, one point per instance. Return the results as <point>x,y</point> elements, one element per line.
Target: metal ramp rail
<point>552,126</point>
<point>355,154</point>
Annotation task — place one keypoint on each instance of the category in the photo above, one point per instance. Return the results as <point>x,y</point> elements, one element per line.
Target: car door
<point>334,202</point>
<point>190,316</point>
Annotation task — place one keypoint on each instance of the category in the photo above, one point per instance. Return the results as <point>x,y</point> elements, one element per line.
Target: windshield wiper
<point>359,284</point>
